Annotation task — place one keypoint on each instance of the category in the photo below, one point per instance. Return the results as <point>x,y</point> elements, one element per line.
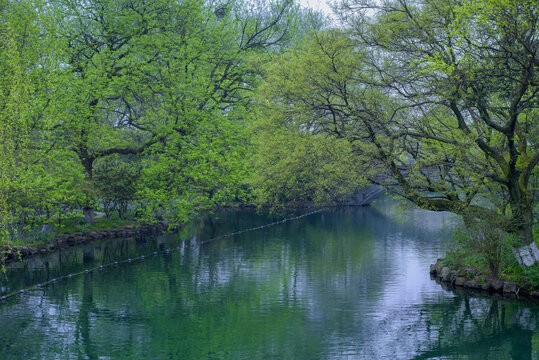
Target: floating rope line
<point>142,257</point>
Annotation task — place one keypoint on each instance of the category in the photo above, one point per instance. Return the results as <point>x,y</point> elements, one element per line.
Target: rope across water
<point>142,257</point>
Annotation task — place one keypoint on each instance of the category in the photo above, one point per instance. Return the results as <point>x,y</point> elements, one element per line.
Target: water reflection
<point>481,328</point>
<point>65,261</point>
<point>348,283</point>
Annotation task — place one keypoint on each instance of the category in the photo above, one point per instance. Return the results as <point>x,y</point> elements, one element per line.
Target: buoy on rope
<point>142,257</point>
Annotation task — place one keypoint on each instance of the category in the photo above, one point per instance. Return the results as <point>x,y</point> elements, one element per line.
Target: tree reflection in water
<point>348,283</point>
<point>481,328</point>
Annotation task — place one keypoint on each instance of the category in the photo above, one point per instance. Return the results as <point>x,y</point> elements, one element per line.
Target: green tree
<point>163,85</point>
<point>469,72</point>
<point>441,101</point>
<point>36,177</point>
<point>117,183</point>
<point>293,166</point>
<point>169,83</point>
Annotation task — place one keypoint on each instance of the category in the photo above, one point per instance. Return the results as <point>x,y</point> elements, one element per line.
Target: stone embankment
<point>470,281</point>
<point>15,253</point>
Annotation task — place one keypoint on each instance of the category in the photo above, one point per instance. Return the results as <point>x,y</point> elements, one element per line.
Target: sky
<point>322,5</point>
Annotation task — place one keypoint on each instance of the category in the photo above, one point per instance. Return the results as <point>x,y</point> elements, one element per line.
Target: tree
<point>108,75</point>
<point>442,101</point>
<point>170,84</point>
<point>136,75</point>
<point>36,177</point>
<point>291,168</point>
<point>471,67</point>
<point>117,183</point>
<point>203,161</point>
<point>162,85</point>
<point>294,160</point>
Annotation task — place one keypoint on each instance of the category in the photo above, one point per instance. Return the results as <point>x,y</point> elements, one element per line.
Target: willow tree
<point>13,95</point>
<point>37,177</point>
<point>440,97</point>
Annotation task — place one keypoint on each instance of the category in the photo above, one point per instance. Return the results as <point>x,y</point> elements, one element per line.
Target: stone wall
<point>13,253</point>
<point>470,281</point>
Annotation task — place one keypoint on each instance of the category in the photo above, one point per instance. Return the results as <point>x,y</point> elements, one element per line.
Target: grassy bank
<point>485,254</point>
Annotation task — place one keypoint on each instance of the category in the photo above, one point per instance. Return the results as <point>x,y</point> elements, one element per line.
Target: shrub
<point>483,247</point>
<point>117,185</point>
<point>532,274</point>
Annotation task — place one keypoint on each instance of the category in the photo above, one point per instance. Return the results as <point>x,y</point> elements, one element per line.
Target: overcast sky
<point>322,5</point>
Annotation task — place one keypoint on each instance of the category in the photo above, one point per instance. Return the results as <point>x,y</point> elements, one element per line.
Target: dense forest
<point>157,110</point>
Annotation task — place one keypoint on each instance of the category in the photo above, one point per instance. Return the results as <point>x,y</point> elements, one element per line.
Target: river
<point>344,283</point>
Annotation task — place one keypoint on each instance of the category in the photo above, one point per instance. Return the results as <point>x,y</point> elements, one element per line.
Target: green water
<point>348,283</point>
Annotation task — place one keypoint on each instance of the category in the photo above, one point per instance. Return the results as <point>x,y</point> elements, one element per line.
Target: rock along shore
<point>11,254</point>
<point>469,281</point>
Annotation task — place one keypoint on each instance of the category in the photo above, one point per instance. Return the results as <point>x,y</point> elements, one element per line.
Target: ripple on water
<point>350,283</point>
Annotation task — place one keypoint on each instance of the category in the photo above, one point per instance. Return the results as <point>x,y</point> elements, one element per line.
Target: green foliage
<point>78,224</point>
<point>532,276</point>
<point>117,183</point>
<point>37,179</point>
<point>291,167</point>
<point>295,161</point>
<point>438,100</point>
<point>483,247</point>
<point>193,174</point>
<point>485,251</point>
<point>88,95</point>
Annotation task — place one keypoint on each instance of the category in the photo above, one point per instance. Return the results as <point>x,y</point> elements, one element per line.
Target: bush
<point>532,274</point>
<point>483,247</point>
<point>117,184</point>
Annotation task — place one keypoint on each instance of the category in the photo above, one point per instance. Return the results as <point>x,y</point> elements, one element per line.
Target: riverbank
<point>10,254</point>
<point>471,281</point>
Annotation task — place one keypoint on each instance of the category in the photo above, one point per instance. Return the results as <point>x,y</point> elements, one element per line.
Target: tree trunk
<point>528,254</point>
<point>88,164</point>
<point>89,215</point>
<point>522,216</point>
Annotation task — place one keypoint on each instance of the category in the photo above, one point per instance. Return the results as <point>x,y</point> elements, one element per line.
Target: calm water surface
<point>348,283</point>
